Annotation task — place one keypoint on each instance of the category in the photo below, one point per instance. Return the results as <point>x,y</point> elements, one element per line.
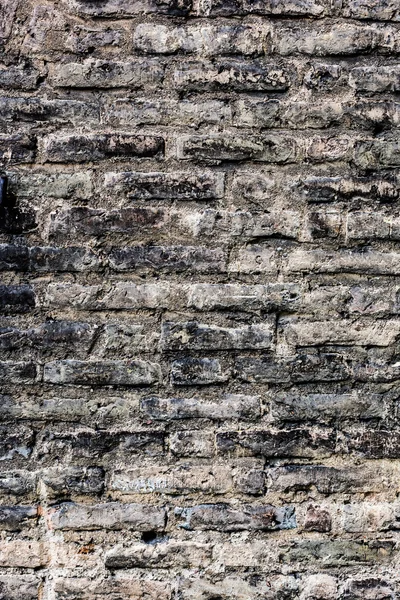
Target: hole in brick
<point>149,536</point>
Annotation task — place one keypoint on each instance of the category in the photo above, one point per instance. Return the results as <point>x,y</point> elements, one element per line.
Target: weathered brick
<point>270,297</point>
<point>345,332</point>
<point>195,336</point>
<point>44,259</point>
<point>15,518</point>
<point>162,555</point>
<point>230,406</point>
<point>376,79</point>
<point>17,149</point>
<point>181,479</point>
<point>18,372</point>
<point>126,8</point>
<point>296,406</point>
<point>183,185</point>
<point>331,480</point>
<point>295,8</point>
<point>331,189</point>
<point>93,147</point>
<point>198,371</point>
<point>77,588</point>
<point>375,444</point>
<point>19,77</point>
<point>367,588</point>
<point>110,515</point>
<point>336,39</point>
<point>29,554</point>
<point>16,298</point>
<point>368,9</point>
<point>225,75</point>
<point>223,517</point>
<point>271,443</point>
<point>7,14</point>
<point>103,74</point>
<point>67,481</point>
<point>338,553</point>
<point>217,148</point>
<point>53,185</point>
<point>169,258</point>
<point>307,366</point>
<point>96,221</point>
<point>40,111</point>
<point>22,587</point>
<point>192,444</point>
<point>206,39</point>
<point>135,372</point>
<point>366,261</point>
<point>166,112</point>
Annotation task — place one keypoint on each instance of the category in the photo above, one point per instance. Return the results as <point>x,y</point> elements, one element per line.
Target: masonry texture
<point>200,300</point>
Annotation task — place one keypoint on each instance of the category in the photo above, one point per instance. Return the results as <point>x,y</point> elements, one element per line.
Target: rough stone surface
<point>200,300</point>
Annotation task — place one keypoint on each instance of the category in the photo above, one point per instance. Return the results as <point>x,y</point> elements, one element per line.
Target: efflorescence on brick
<point>199,300</point>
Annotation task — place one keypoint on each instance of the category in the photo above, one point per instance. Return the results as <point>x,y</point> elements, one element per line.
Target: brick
<point>183,185</point>
<point>247,298</point>
<point>369,517</point>
<point>192,444</point>
<point>135,372</point>
<point>307,366</point>
<point>75,481</point>
<point>180,479</point>
<point>254,259</point>
<point>367,261</point>
<point>368,9</point>
<point>19,77</point>
<point>7,14</point>
<point>320,586</point>
<point>16,484</point>
<point>338,553</point>
<point>28,554</point>
<point>169,258</point>
<point>103,74</point>
<point>77,588</point>
<point>375,444</point>
<point>373,79</point>
<point>198,371</point>
<point>325,77</point>
<point>232,586</point>
<point>163,555</point>
<point>166,112</point>
<point>337,39</point>
<point>230,406</point>
<point>364,225</point>
<point>53,185</point>
<point>16,298</point>
<point>317,519</point>
<point>223,517</point>
<point>297,406</point>
<point>17,149</point>
<point>110,515</point>
<point>216,148</point>
<point>96,221</point>
<point>19,587</point>
<point>195,336</point>
<point>15,518</point>
<point>49,336</point>
<point>368,588</point>
<point>349,479</point>
<point>33,110</point>
<point>126,8</point>
<point>341,332</point>
<point>225,75</point>
<point>270,443</point>
<point>18,372</point>
<point>93,147</point>
<point>332,189</point>
<point>290,8</point>
<point>208,39</point>
<point>44,259</point>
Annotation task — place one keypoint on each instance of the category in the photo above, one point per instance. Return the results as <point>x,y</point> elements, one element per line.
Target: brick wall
<point>200,300</point>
